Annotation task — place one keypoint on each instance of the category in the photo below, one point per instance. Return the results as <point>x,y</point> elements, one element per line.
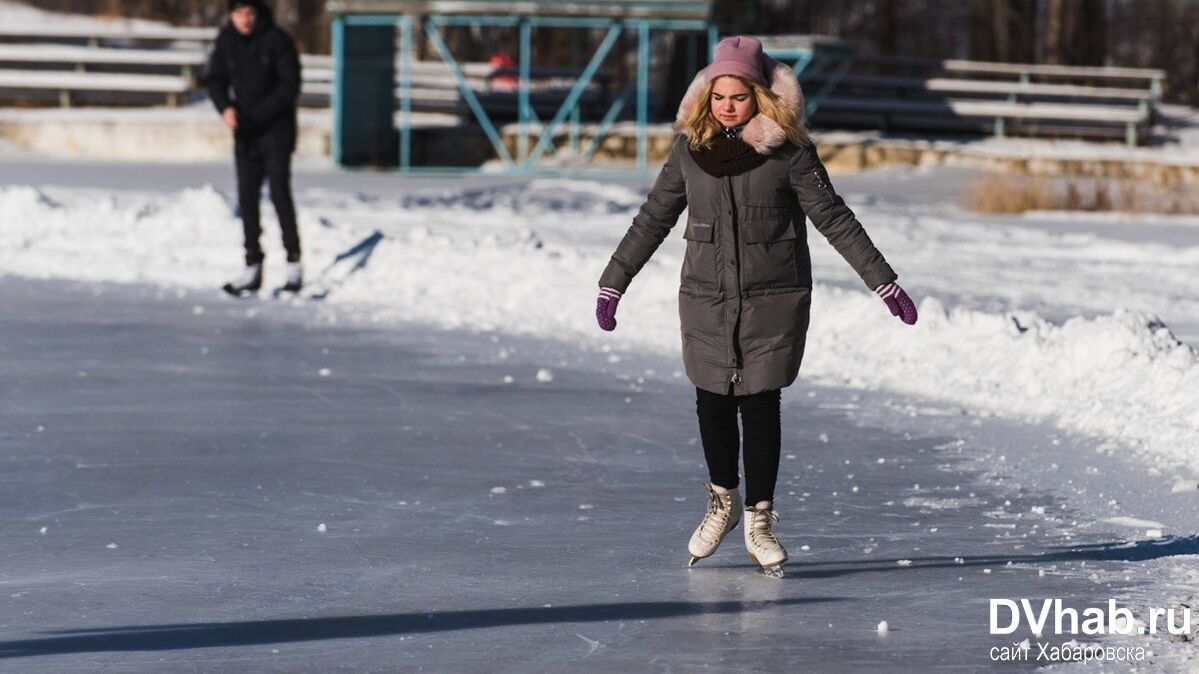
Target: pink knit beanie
<point>740,56</point>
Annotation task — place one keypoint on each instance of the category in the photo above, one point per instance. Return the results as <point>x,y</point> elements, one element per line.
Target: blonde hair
<point>701,127</point>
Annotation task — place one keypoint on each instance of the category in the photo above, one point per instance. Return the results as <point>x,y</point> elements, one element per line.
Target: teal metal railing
<point>826,60</point>
<point>535,140</point>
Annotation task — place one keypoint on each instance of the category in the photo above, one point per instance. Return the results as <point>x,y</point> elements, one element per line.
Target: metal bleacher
<point>535,103</point>
<point>130,66</point>
<point>931,95</point>
<point>100,64</point>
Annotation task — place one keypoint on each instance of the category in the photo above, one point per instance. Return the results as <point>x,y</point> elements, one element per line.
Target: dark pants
<point>718,430</point>
<point>258,159</point>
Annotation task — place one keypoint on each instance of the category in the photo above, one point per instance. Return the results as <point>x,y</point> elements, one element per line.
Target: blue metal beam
<point>369,19</point>
<point>606,122</point>
<point>576,92</point>
<point>405,93</point>
<point>813,103</point>
<point>559,22</point>
<point>642,93</point>
<point>694,10</point>
<point>523,116</point>
<point>339,75</point>
<point>475,20</point>
<point>467,93</point>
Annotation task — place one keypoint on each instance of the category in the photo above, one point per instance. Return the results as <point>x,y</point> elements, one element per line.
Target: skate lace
<point>760,522</point>
<point>717,516</point>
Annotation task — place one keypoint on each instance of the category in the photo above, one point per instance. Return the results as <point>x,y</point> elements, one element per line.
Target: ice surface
<point>1133,522</point>
<point>203,438</point>
<point>211,472</point>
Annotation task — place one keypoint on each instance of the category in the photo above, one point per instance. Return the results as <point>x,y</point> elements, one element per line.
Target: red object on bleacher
<point>502,62</point>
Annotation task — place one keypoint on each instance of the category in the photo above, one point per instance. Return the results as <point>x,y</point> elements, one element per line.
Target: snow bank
<point>1123,376</point>
<point>525,258</point>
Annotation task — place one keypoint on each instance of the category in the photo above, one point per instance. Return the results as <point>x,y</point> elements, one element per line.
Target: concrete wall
<point>189,134</point>
<point>195,133</point>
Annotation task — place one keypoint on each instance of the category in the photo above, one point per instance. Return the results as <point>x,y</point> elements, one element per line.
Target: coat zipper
<point>736,234</point>
<point>736,377</point>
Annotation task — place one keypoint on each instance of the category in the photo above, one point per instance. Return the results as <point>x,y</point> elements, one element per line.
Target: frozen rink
<point>1042,413</point>
<point>168,456</point>
<point>434,461</point>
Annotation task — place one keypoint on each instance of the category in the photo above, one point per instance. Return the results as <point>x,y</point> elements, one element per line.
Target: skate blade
<point>239,294</point>
<point>772,571</point>
<point>694,559</point>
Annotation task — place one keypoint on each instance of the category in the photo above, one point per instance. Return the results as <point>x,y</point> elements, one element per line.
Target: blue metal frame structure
<point>531,146</point>
<point>338,49</point>
<point>807,62</point>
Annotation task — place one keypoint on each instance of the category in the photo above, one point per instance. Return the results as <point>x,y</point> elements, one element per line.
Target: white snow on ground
<point>525,259</point>
<point>1000,263</point>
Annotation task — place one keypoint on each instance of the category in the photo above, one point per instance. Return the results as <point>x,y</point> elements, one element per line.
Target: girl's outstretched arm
<point>652,223</point>
<point>832,218</point>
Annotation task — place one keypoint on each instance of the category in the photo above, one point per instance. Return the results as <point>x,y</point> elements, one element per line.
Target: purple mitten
<point>605,308</point>
<point>898,302</point>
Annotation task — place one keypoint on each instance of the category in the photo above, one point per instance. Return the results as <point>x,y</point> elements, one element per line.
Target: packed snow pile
<point>1124,375</point>
<point>525,259</point>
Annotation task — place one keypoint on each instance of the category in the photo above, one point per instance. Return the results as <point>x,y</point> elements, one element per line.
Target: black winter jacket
<point>259,76</point>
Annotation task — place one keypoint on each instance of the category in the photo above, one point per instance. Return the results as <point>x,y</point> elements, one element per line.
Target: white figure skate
<point>764,549</point>
<point>724,511</point>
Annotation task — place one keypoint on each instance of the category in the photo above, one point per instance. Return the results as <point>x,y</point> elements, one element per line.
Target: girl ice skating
<point>744,168</point>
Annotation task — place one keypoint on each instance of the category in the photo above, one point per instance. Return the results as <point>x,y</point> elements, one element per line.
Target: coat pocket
<point>699,230</point>
<point>699,262</point>
<point>768,230</point>
<point>769,254</point>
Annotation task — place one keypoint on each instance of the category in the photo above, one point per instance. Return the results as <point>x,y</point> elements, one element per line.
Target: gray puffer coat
<point>747,277</point>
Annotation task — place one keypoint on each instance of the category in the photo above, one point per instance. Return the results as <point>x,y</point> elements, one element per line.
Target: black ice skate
<point>295,279</point>
<point>248,283</point>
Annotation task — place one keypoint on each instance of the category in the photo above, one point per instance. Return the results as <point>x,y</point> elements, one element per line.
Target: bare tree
<point>1003,30</point>
<point>1075,32</point>
<point>885,26</point>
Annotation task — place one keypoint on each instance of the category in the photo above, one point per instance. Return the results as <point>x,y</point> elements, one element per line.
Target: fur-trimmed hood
<point>763,134</point>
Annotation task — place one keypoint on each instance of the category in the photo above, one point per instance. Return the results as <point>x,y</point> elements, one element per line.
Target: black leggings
<point>718,430</point>
<point>259,159</point>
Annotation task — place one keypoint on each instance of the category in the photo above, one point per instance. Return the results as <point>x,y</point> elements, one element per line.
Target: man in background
<point>253,79</point>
